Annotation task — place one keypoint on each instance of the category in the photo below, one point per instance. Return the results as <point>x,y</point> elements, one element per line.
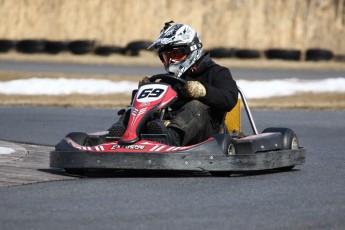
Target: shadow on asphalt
<point>108,173</point>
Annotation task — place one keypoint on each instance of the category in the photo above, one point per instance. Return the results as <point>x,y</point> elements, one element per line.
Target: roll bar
<point>249,114</point>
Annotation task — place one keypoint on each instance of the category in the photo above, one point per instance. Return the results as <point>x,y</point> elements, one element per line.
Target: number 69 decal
<point>150,93</point>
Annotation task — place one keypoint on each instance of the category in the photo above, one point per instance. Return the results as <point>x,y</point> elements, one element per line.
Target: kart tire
<point>290,141</point>
<point>226,143</point>
<point>78,137</point>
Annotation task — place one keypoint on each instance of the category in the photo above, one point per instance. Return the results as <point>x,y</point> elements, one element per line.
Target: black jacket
<point>221,89</point>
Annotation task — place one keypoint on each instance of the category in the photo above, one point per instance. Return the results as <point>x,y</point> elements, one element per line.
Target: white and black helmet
<point>179,47</point>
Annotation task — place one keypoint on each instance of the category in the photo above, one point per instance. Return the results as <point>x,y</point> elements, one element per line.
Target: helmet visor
<point>175,54</point>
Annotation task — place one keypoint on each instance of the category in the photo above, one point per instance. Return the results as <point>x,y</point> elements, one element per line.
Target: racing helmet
<point>179,47</point>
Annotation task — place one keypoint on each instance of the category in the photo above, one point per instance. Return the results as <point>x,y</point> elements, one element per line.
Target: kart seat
<point>232,120</point>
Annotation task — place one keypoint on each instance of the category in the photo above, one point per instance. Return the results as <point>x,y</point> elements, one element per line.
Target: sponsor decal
<point>144,104</point>
<point>134,147</point>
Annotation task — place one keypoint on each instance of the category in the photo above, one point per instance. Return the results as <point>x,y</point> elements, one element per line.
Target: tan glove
<point>194,89</point>
<point>144,80</point>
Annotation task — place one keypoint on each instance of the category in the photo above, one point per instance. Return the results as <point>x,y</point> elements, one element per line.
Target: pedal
<point>156,127</point>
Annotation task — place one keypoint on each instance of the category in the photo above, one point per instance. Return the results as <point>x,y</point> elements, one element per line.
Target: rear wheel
<point>290,141</point>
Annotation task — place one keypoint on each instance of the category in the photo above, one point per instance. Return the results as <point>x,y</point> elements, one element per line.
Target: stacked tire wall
<point>242,27</point>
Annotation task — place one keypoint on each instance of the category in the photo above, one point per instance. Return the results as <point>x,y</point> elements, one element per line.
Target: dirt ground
<point>301,101</point>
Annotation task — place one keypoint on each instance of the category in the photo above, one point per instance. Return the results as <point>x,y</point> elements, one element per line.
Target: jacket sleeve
<point>221,91</point>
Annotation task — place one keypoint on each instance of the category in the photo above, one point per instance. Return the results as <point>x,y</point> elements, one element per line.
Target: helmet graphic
<point>179,47</point>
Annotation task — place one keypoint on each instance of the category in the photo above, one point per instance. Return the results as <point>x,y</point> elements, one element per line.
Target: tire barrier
<point>339,58</point>
<point>108,50</point>
<point>6,45</point>
<point>222,52</point>
<point>133,48</point>
<point>55,47</point>
<point>247,54</point>
<point>318,55</point>
<point>31,46</point>
<point>283,54</point>
<point>80,47</point>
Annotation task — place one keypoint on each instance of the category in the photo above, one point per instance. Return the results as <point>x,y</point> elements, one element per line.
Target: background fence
<point>244,24</point>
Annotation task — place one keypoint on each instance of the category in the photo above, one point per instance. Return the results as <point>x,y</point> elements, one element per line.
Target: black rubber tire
<point>55,47</point>
<point>290,141</point>
<point>31,46</point>
<point>318,55</point>
<point>80,47</point>
<point>283,54</point>
<point>225,141</point>
<point>247,54</point>
<point>107,50</point>
<point>133,48</point>
<point>6,45</point>
<point>222,52</point>
<point>79,137</point>
<point>103,51</point>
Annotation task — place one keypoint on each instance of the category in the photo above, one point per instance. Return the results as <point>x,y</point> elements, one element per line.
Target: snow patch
<point>252,89</point>
<point>6,151</point>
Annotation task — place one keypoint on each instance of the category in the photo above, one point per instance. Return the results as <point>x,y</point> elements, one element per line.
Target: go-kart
<point>227,152</point>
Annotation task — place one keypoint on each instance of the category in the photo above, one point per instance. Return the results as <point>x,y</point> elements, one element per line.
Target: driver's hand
<point>144,80</point>
<point>194,89</point>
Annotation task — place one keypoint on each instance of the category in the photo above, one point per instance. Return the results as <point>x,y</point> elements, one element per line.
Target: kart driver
<point>209,93</point>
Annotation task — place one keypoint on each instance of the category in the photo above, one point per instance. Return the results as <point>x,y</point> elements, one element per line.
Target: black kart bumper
<point>186,161</point>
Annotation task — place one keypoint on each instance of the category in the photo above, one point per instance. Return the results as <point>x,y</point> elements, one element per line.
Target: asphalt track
<point>309,197</point>
<point>107,69</point>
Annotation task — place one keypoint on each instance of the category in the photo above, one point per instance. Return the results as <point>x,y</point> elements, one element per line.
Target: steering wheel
<point>168,78</point>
